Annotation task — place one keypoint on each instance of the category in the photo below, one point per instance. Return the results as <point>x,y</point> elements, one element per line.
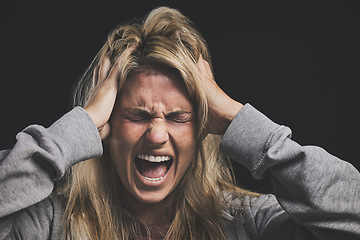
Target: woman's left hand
<point>222,108</point>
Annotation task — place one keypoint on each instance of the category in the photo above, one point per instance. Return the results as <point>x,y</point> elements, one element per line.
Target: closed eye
<point>137,115</point>
<point>133,119</point>
<point>179,116</point>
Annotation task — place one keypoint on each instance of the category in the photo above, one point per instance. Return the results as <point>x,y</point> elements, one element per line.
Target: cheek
<point>126,134</point>
<point>123,138</point>
<point>186,135</point>
<point>186,145</point>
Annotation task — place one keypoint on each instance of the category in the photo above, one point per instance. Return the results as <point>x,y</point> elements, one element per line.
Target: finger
<point>119,64</point>
<point>121,61</point>
<point>205,69</point>
<point>105,132</point>
<point>96,76</point>
<point>104,69</point>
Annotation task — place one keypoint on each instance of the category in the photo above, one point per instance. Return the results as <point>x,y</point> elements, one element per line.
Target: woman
<point>147,119</point>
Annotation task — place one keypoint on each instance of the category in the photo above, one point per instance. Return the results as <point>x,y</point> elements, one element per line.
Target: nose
<point>157,133</point>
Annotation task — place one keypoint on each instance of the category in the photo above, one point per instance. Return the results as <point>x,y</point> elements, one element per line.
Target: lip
<point>154,183</point>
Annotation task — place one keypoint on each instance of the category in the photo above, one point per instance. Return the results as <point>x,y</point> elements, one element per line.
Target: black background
<point>296,61</point>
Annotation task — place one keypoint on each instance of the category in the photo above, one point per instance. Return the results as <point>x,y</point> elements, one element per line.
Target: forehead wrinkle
<point>158,104</point>
<point>141,103</point>
<point>150,99</point>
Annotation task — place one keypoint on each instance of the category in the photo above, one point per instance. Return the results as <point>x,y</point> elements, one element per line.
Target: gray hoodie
<point>316,195</point>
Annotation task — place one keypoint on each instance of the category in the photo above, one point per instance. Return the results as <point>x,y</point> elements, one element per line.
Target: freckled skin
<point>152,116</point>
<point>157,93</point>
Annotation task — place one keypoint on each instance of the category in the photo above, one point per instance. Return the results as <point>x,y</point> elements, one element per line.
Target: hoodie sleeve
<point>317,194</point>
<point>41,156</point>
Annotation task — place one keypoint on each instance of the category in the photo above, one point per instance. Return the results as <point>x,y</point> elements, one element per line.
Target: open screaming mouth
<point>153,168</point>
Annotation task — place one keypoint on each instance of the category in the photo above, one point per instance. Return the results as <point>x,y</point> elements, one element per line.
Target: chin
<point>151,197</point>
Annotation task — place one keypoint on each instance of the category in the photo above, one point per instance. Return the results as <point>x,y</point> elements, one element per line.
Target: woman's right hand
<point>102,101</point>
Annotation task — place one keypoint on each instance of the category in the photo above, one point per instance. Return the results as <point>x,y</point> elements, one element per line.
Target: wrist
<point>222,118</point>
<point>234,109</point>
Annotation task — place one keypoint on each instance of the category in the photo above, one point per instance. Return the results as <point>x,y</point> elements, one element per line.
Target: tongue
<point>152,169</point>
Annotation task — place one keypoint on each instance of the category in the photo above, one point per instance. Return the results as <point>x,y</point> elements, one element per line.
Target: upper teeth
<point>151,158</point>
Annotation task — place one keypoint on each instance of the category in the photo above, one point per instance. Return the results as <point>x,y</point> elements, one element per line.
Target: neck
<point>150,213</point>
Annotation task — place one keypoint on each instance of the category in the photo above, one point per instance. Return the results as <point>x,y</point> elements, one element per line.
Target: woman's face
<point>152,141</point>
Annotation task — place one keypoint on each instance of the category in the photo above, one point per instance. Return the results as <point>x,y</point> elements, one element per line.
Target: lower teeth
<point>153,179</point>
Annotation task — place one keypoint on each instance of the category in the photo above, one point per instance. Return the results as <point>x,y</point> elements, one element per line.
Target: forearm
<point>316,189</point>
<point>41,156</point>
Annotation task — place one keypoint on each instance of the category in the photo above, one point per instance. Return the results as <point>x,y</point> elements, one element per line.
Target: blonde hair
<point>96,208</point>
